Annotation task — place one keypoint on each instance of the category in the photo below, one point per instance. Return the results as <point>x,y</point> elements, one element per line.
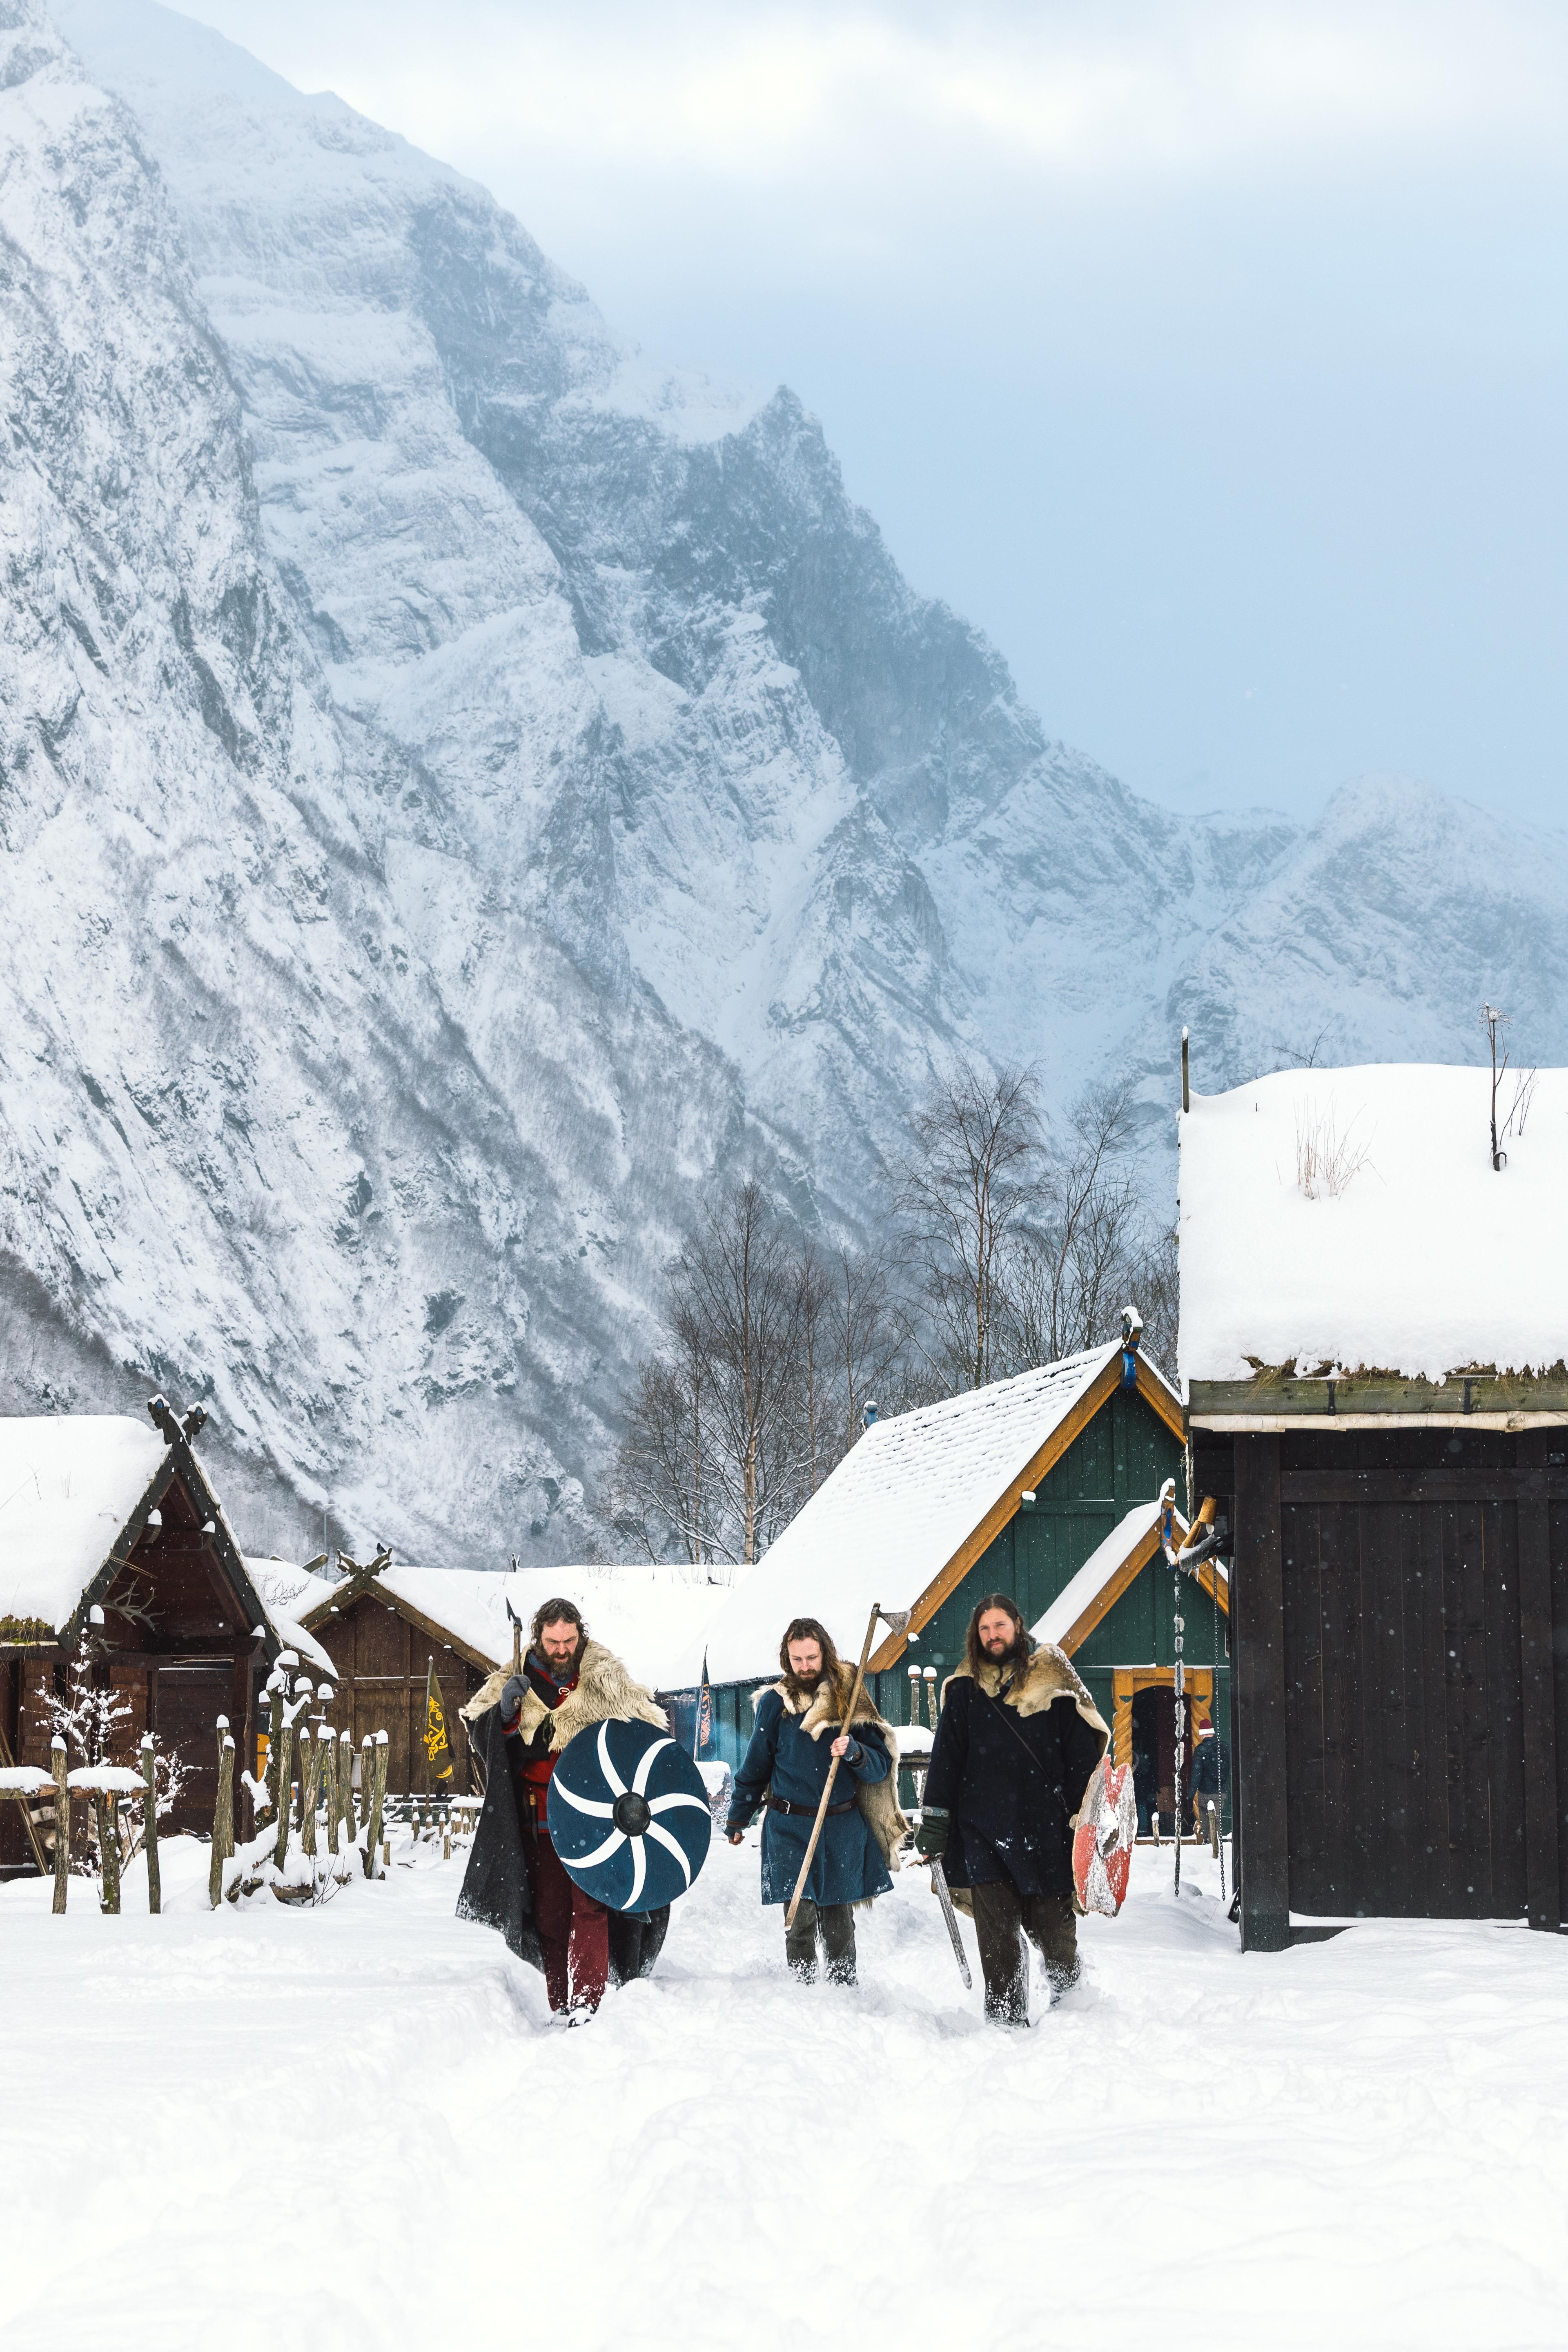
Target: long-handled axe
<point>897,1622</point>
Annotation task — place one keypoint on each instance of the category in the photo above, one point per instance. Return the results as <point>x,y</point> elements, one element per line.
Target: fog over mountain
<point>464,788</point>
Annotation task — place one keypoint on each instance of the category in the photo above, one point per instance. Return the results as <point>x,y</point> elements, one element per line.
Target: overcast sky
<point>1212,358</point>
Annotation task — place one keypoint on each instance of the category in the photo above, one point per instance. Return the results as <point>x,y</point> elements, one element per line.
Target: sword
<point>939,1880</point>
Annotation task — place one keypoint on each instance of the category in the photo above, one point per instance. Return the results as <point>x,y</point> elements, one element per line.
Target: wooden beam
<point>1541,1729</point>
<point>1067,1432</point>
<point>1462,1396</point>
<point>1258,1681</point>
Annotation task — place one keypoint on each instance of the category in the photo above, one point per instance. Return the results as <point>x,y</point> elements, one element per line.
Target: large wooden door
<point>1404,1711</point>
<point>187,1702</point>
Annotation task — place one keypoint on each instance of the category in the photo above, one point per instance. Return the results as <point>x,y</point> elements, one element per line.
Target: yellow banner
<point>437,1747</point>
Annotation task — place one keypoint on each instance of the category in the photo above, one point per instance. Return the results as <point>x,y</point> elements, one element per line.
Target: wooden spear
<point>896,1621</point>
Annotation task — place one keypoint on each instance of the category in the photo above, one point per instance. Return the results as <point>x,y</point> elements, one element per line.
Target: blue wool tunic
<point>847,1866</point>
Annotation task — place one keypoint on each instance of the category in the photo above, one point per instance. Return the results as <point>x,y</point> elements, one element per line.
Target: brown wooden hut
<point>110,1528</point>
<point>381,1627</point>
<point>1359,1321</point>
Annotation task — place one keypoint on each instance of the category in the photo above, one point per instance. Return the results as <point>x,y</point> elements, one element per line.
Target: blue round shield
<point>629,1815</point>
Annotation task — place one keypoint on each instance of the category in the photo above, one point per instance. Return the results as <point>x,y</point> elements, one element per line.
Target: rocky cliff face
<point>466,789</point>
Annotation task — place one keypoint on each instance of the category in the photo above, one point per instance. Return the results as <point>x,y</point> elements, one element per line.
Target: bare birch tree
<point>970,1180</point>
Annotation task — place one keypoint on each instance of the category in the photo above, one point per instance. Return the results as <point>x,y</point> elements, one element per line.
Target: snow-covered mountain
<point>465,788</point>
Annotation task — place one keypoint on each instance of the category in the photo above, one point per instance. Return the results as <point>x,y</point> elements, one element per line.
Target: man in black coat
<point>1018,1740</point>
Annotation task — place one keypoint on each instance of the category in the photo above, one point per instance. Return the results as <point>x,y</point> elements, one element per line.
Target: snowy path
<point>1356,2143</point>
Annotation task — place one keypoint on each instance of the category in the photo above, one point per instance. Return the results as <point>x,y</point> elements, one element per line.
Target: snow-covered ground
<point>357,2128</point>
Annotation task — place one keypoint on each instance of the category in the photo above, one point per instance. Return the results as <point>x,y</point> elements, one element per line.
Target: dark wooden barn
<point>1400,1569</point>
<point>110,1528</point>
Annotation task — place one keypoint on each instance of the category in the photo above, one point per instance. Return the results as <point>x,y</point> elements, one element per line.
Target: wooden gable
<point>1090,1461</point>
<point>382,1649</point>
<point>1117,1447</point>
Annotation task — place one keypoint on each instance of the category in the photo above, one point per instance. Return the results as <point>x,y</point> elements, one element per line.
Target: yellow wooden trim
<point>1161,1398</point>
<point>1216,1591</point>
<point>947,1580</point>
<point>1122,1684</point>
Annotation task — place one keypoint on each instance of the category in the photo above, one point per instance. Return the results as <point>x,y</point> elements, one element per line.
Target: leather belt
<point>782,1805</point>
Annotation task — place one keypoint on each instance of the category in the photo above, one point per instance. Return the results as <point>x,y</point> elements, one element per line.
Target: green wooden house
<point>1013,1488</point>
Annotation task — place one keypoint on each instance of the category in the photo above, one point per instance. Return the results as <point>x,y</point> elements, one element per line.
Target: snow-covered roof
<point>1101,1569</point>
<point>69,1483</point>
<point>284,1586</point>
<point>1415,1257</point>
<point>897,1509</point>
<point>648,1615</point>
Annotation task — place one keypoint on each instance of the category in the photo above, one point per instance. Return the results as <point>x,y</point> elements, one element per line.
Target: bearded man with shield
<point>520,1723</point>
<point>814,1723</point>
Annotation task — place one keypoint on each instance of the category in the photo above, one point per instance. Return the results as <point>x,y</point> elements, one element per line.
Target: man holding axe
<point>826,1765</point>
<point>1017,1743</point>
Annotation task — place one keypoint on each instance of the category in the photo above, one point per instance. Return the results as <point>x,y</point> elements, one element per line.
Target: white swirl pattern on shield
<point>618,1837</point>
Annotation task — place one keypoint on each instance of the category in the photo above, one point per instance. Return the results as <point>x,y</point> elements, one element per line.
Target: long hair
<point>973,1652</point>
<point>810,1629</point>
<point>556,1613</point>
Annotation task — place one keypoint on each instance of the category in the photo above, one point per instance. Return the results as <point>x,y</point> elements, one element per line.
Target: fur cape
<point>1049,1674</point>
<point>820,1712</point>
<point>605,1692</point>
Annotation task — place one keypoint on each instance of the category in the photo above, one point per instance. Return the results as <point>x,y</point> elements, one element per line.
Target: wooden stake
<point>109,1848</point>
<point>62,1822</point>
<point>346,1784</point>
<point>223,1821</point>
<point>275,1705</point>
<point>849,1717</point>
<point>334,1801</point>
<point>285,1745</point>
<point>309,1771</point>
<point>150,1830</point>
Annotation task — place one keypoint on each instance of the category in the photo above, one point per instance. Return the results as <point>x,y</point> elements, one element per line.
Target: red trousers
<point>573,1929</point>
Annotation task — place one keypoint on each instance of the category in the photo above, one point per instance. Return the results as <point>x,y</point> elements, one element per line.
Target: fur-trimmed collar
<point>1048,1675</point>
<point>822,1710</point>
<point>604,1693</point>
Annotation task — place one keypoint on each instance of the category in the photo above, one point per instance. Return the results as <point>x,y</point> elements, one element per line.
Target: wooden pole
<point>309,1766</point>
<point>346,1784</point>
<point>222,1820</point>
<point>285,1745</point>
<point>378,1766</point>
<point>274,1705</point>
<point>149,1829</point>
<point>334,1799</point>
<point>109,1847</point>
<point>62,1822</point>
<point>849,1717</point>
<point>367,1790</point>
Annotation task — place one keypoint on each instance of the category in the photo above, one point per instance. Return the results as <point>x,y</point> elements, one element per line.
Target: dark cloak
<point>494,1890</point>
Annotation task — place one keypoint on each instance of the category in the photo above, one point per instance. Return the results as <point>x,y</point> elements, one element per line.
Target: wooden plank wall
<point>381,1662</point>
<point>1402,1713</point>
